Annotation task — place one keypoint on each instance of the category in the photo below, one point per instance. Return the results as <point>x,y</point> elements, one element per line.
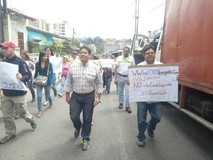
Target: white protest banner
<point>153,83</point>
<point>8,78</point>
<point>57,63</point>
<point>106,63</point>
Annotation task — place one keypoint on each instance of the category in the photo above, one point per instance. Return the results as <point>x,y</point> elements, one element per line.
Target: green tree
<point>58,47</point>
<point>76,43</point>
<point>99,43</point>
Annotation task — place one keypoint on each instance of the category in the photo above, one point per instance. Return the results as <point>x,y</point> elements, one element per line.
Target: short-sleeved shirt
<point>84,79</point>
<point>65,68</point>
<point>123,64</point>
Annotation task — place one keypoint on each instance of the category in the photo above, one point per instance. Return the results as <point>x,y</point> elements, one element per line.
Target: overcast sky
<point>104,18</point>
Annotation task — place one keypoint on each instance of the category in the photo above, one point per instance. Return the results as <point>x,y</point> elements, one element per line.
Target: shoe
<point>55,98</point>
<point>120,106</point>
<point>76,133</point>
<point>51,104</point>
<point>39,114</point>
<point>128,109</point>
<point>33,100</point>
<point>46,103</point>
<point>151,133</point>
<point>141,143</point>
<point>7,139</point>
<point>60,94</point>
<point>33,125</point>
<point>85,145</point>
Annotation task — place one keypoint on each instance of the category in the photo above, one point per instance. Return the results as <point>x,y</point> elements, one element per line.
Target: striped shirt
<point>84,79</point>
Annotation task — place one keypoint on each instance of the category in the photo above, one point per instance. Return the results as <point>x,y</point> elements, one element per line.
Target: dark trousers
<point>108,80</point>
<point>78,103</point>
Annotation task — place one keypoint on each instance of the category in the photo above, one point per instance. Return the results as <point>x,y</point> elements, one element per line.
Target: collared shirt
<point>84,79</point>
<point>123,64</point>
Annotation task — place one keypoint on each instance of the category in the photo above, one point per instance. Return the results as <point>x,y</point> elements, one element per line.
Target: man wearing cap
<point>15,99</point>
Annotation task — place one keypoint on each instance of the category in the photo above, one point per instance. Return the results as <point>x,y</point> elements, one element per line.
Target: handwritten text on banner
<point>153,83</point>
<point>8,78</point>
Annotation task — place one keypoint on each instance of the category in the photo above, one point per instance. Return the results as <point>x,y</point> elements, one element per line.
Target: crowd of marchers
<point>82,80</point>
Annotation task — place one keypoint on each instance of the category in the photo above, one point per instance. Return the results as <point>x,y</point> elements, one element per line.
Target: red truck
<point>187,39</point>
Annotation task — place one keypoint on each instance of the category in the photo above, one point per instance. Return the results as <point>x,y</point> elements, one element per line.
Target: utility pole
<point>73,33</point>
<point>1,23</point>
<point>136,15</point>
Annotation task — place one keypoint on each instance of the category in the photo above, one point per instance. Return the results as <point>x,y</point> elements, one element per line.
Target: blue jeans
<point>30,85</point>
<point>63,80</point>
<point>156,112</point>
<point>108,80</point>
<point>53,88</point>
<point>78,103</point>
<point>39,95</point>
<point>123,87</point>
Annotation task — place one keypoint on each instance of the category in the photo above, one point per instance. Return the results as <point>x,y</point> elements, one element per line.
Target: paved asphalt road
<point>177,137</point>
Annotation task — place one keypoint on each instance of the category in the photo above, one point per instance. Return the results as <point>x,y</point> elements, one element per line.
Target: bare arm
<point>68,87</point>
<point>116,75</point>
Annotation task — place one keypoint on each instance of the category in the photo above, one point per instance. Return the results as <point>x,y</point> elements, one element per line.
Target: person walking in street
<point>108,79</point>
<point>1,59</point>
<point>154,108</point>
<point>55,63</point>
<point>63,74</point>
<point>24,55</point>
<point>121,76</point>
<point>74,57</point>
<point>15,99</point>
<point>44,68</point>
<point>84,79</point>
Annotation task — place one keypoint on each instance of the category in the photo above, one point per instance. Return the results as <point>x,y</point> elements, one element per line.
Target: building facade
<point>15,24</point>
<point>111,45</point>
<point>62,29</point>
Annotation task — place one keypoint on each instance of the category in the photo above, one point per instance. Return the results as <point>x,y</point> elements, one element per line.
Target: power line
<point>156,7</point>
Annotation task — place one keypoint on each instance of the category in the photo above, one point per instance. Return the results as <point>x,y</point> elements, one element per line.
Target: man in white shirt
<point>155,108</point>
<point>74,57</point>
<point>121,76</point>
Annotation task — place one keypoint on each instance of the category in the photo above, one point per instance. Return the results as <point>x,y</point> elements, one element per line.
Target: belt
<point>81,94</point>
<point>122,75</point>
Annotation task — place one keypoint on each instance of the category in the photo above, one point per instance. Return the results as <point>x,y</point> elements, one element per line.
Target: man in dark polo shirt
<point>15,99</point>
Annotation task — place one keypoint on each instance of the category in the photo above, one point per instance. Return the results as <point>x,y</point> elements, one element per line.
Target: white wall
<point>18,24</point>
